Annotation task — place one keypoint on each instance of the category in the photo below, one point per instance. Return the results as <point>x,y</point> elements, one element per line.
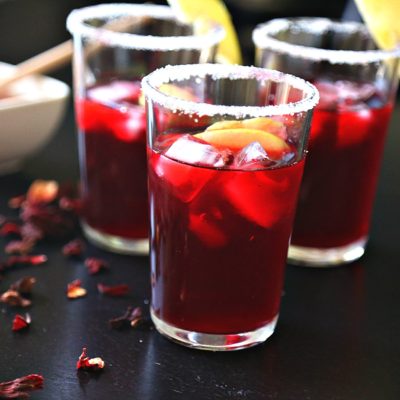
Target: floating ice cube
<point>207,230</point>
<point>343,92</point>
<point>191,150</point>
<point>252,156</point>
<point>116,92</point>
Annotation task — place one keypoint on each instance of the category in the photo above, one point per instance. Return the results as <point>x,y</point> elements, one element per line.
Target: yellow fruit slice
<point>260,123</point>
<point>216,11</point>
<point>237,138</point>
<point>383,20</point>
<point>172,90</point>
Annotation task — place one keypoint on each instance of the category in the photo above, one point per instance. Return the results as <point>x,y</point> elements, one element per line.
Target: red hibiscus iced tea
<point>222,192</point>
<point>357,83</point>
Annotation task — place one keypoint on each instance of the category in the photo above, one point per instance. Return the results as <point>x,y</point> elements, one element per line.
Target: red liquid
<point>113,160</point>
<point>341,173</point>
<point>219,243</point>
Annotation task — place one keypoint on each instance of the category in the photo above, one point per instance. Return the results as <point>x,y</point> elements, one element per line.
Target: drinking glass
<point>225,161</point>
<point>115,45</point>
<point>357,84</point>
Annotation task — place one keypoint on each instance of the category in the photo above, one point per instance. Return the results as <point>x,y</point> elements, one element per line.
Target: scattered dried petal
<point>10,228</point>
<point>42,191</point>
<point>22,247</point>
<point>74,248</point>
<point>31,260</point>
<point>31,232</point>
<point>115,291</point>
<point>13,298</point>
<point>132,318</point>
<point>20,387</point>
<point>24,285</point>
<point>20,322</point>
<point>90,364</point>
<point>17,201</point>
<point>75,290</point>
<point>95,265</point>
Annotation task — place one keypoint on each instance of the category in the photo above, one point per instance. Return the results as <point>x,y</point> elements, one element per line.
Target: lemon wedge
<point>216,11</point>
<point>382,19</point>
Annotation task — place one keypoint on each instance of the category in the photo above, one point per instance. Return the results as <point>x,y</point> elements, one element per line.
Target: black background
<point>337,337</point>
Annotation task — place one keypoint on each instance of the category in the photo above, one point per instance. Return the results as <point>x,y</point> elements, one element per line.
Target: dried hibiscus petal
<point>131,318</point>
<point>70,204</point>
<point>42,191</point>
<point>31,232</point>
<point>19,247</point>
<point>32,260</point>
<point>10,228</point>
<point>19,388</point>
<point>24,285</point>
<point>20,322</point>
<point>90,364</point>
<point>17,201</point>
<point>74,248</point>
<point>75,290</point>
<point>13,298</point>
<point>115,291</point>
<point>95,265</point>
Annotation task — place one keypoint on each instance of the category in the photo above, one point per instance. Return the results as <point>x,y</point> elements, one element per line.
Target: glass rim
<point>76,25</point>
<point>263,40</point>
<point>170,73</point>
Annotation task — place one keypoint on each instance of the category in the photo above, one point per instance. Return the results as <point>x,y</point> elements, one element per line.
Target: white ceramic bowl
<point>29,115</point>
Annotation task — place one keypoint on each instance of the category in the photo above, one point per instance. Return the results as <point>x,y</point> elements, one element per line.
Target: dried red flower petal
<point>24,285</point>
<point>95,265</point>
<point>74,248</point>
<point>20,322</point>
<point>75,290</point>
<point>31,260</point>
<point>90,364</point>
<point>10,228</point>
<point>115,291</point>
<point>31,232</point>
<point>19,388</point>
<point>22,247</point>
<point>42,191</point>
<point>13,298</point>
<point>17,201</point>
<point>132,318</point>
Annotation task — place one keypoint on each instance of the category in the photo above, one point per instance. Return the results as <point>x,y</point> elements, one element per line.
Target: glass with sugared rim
<point>357,84</point>
<point>226,147</point>
<point>115,45</point>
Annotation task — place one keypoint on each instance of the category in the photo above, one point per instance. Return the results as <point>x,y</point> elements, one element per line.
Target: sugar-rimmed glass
<point>115,45</point>
<point>357,84</point>
<point>226,156</point>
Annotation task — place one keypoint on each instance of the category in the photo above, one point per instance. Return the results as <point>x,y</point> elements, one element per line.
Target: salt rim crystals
<point>263,39</point>
<point>76,24</point>
<point>176,73</point>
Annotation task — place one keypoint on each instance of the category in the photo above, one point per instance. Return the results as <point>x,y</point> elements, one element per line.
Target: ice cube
<point>251,157</point>
<point>116,92</point>
<point>259,196</point>
<point>186,183</point>
<point>191,150</point>
<point>333,94</point>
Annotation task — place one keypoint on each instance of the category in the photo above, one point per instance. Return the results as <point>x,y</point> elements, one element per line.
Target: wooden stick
<point>47,61</point>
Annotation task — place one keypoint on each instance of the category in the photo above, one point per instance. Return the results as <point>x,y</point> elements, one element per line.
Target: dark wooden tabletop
<point>337,337</point>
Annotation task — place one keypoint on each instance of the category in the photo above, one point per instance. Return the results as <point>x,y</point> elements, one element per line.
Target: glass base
<point>116,244</point>
<point>318,257</point>
<point>214,342</point>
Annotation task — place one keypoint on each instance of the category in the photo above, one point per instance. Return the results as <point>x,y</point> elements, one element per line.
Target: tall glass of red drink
<point>226,157</point>
<point>357,83</point>
<point>115,45</point>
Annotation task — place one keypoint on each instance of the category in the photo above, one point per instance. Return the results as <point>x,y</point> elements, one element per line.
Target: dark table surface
<point>337,337</point>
